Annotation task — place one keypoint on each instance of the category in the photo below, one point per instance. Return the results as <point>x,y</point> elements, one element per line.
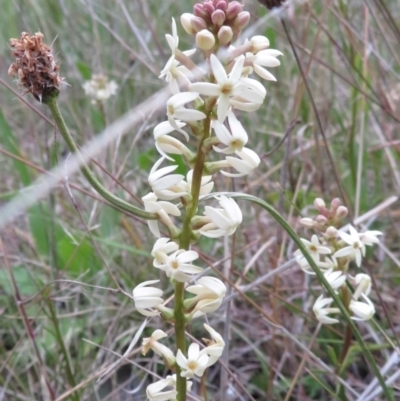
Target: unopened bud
<point>198,24</point>
<point>199,11</point>
<point>208,7</point>
<point>321,219</point>
<point>331,232</point>
<point>225,35</point>
<point>307,222</point>
<point>341,212</point>
<point>186,21</point>
<point>218,17</point>
<point>222,5</point>
<point>319,204</point>
<point>233,10</point>
<point>205,40</point>
<point>258,43</point>
<point>241,20</point>
<point>335,203</point>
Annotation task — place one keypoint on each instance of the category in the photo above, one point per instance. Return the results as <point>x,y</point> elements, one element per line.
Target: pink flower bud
<point>205,40</point>
<point>225,35</point>
<point>341,212</point>
<point>307,222</point>
<point>321,219</point>
<point>186,21</point>
<point>319,204</point>
<point>234,8</point>
<point>199,10</point>
<point>335,203</point>
<point>198,24</point>
<point>208,7</point>
<point>218,17</point>
<point>241,20</point>
<point>222,5</point>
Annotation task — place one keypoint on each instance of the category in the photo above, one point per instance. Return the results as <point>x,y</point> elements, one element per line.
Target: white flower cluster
<point>332,252</point>
<point>99,88</point>
<point>202,108</point>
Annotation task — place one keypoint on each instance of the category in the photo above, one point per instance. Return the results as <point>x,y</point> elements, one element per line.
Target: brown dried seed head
<point>35,65</point>
<point>270,4</point>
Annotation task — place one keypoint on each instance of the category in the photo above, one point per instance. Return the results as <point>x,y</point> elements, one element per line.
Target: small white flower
<point>335,278</point>
<point>314,248</point>
<point>178,265</point>
<point>166,128</point>
<point>176,111</point>
<point>249,160</point>
<point>214,348</point>
<point>209,292</point>
<point>163,209</point>
<point>355,248</point>
<point>362,310</point>
<point>370,237</point>
<point>194,364</point>
<point>223,222</point>
<point>167,144</point>
<point>99,88</point>
<point>206,184</point>
<point>225,87</point>
<point>234,139</point>
<point>163,184</point>
<point>158,348</point>
<point>322,312</point>
<point>161,249</point>
<point>147,298</point>
<point>264,58</point>
<point>258,43</point>
<point>363,283</point>
<point>155,391</point>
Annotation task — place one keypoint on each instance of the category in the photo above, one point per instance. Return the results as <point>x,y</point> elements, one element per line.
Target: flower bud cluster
<point>201,110</point>
<point>332,251</point>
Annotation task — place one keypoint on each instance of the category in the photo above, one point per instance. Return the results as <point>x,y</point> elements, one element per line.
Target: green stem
<point>51,102</point>
<point>184,243</point>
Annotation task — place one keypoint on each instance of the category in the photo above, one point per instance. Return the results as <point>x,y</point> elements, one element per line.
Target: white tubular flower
<point>158,348</point>
<point>163,209</point>
<point>167,144</point>
<point>235,139</point>
<point>314,248</point>
<point>370,237</point>
<point>155,391</point>
<point>176,111</point>
<point>322,312</point>
<point>179,267</point>
<point>163,184</point>
<point>147,298</point>
<point>248,161</point>
<point>166,128</point>
<point>223,222</point>
<point>161,249</point>
<point>335,278</point>
<point>209,292</point>
<point>194,364</point>
<point>215,347</point>
<point>206,184</point>
<point>265,58</point>
<point>363,282</point>
<point>362,310</point>
<point>355,248</point>
<point>226,86</point>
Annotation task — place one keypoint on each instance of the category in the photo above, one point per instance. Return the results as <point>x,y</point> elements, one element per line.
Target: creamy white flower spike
<point>209,292</point>
<point>164,184</point>
<point>158,348</point>
<point>176,111</point>
<point>161,249</point>
<point>355,249</point>
<point>223,222</point>
<point>163,209</point>
<point>226,86</point>
<point>322,310</point>
<point>234,139</point>
<point>362,310</point>
<point>162,390</point>
<point>194,364</point>
<point>147,298</point>
<point>179,267</point>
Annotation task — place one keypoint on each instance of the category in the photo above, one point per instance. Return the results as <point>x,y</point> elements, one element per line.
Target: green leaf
<point>84,69</point>
<point>28,284</point>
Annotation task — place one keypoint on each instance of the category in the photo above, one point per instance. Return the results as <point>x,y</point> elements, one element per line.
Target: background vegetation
<point>68,322</point>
